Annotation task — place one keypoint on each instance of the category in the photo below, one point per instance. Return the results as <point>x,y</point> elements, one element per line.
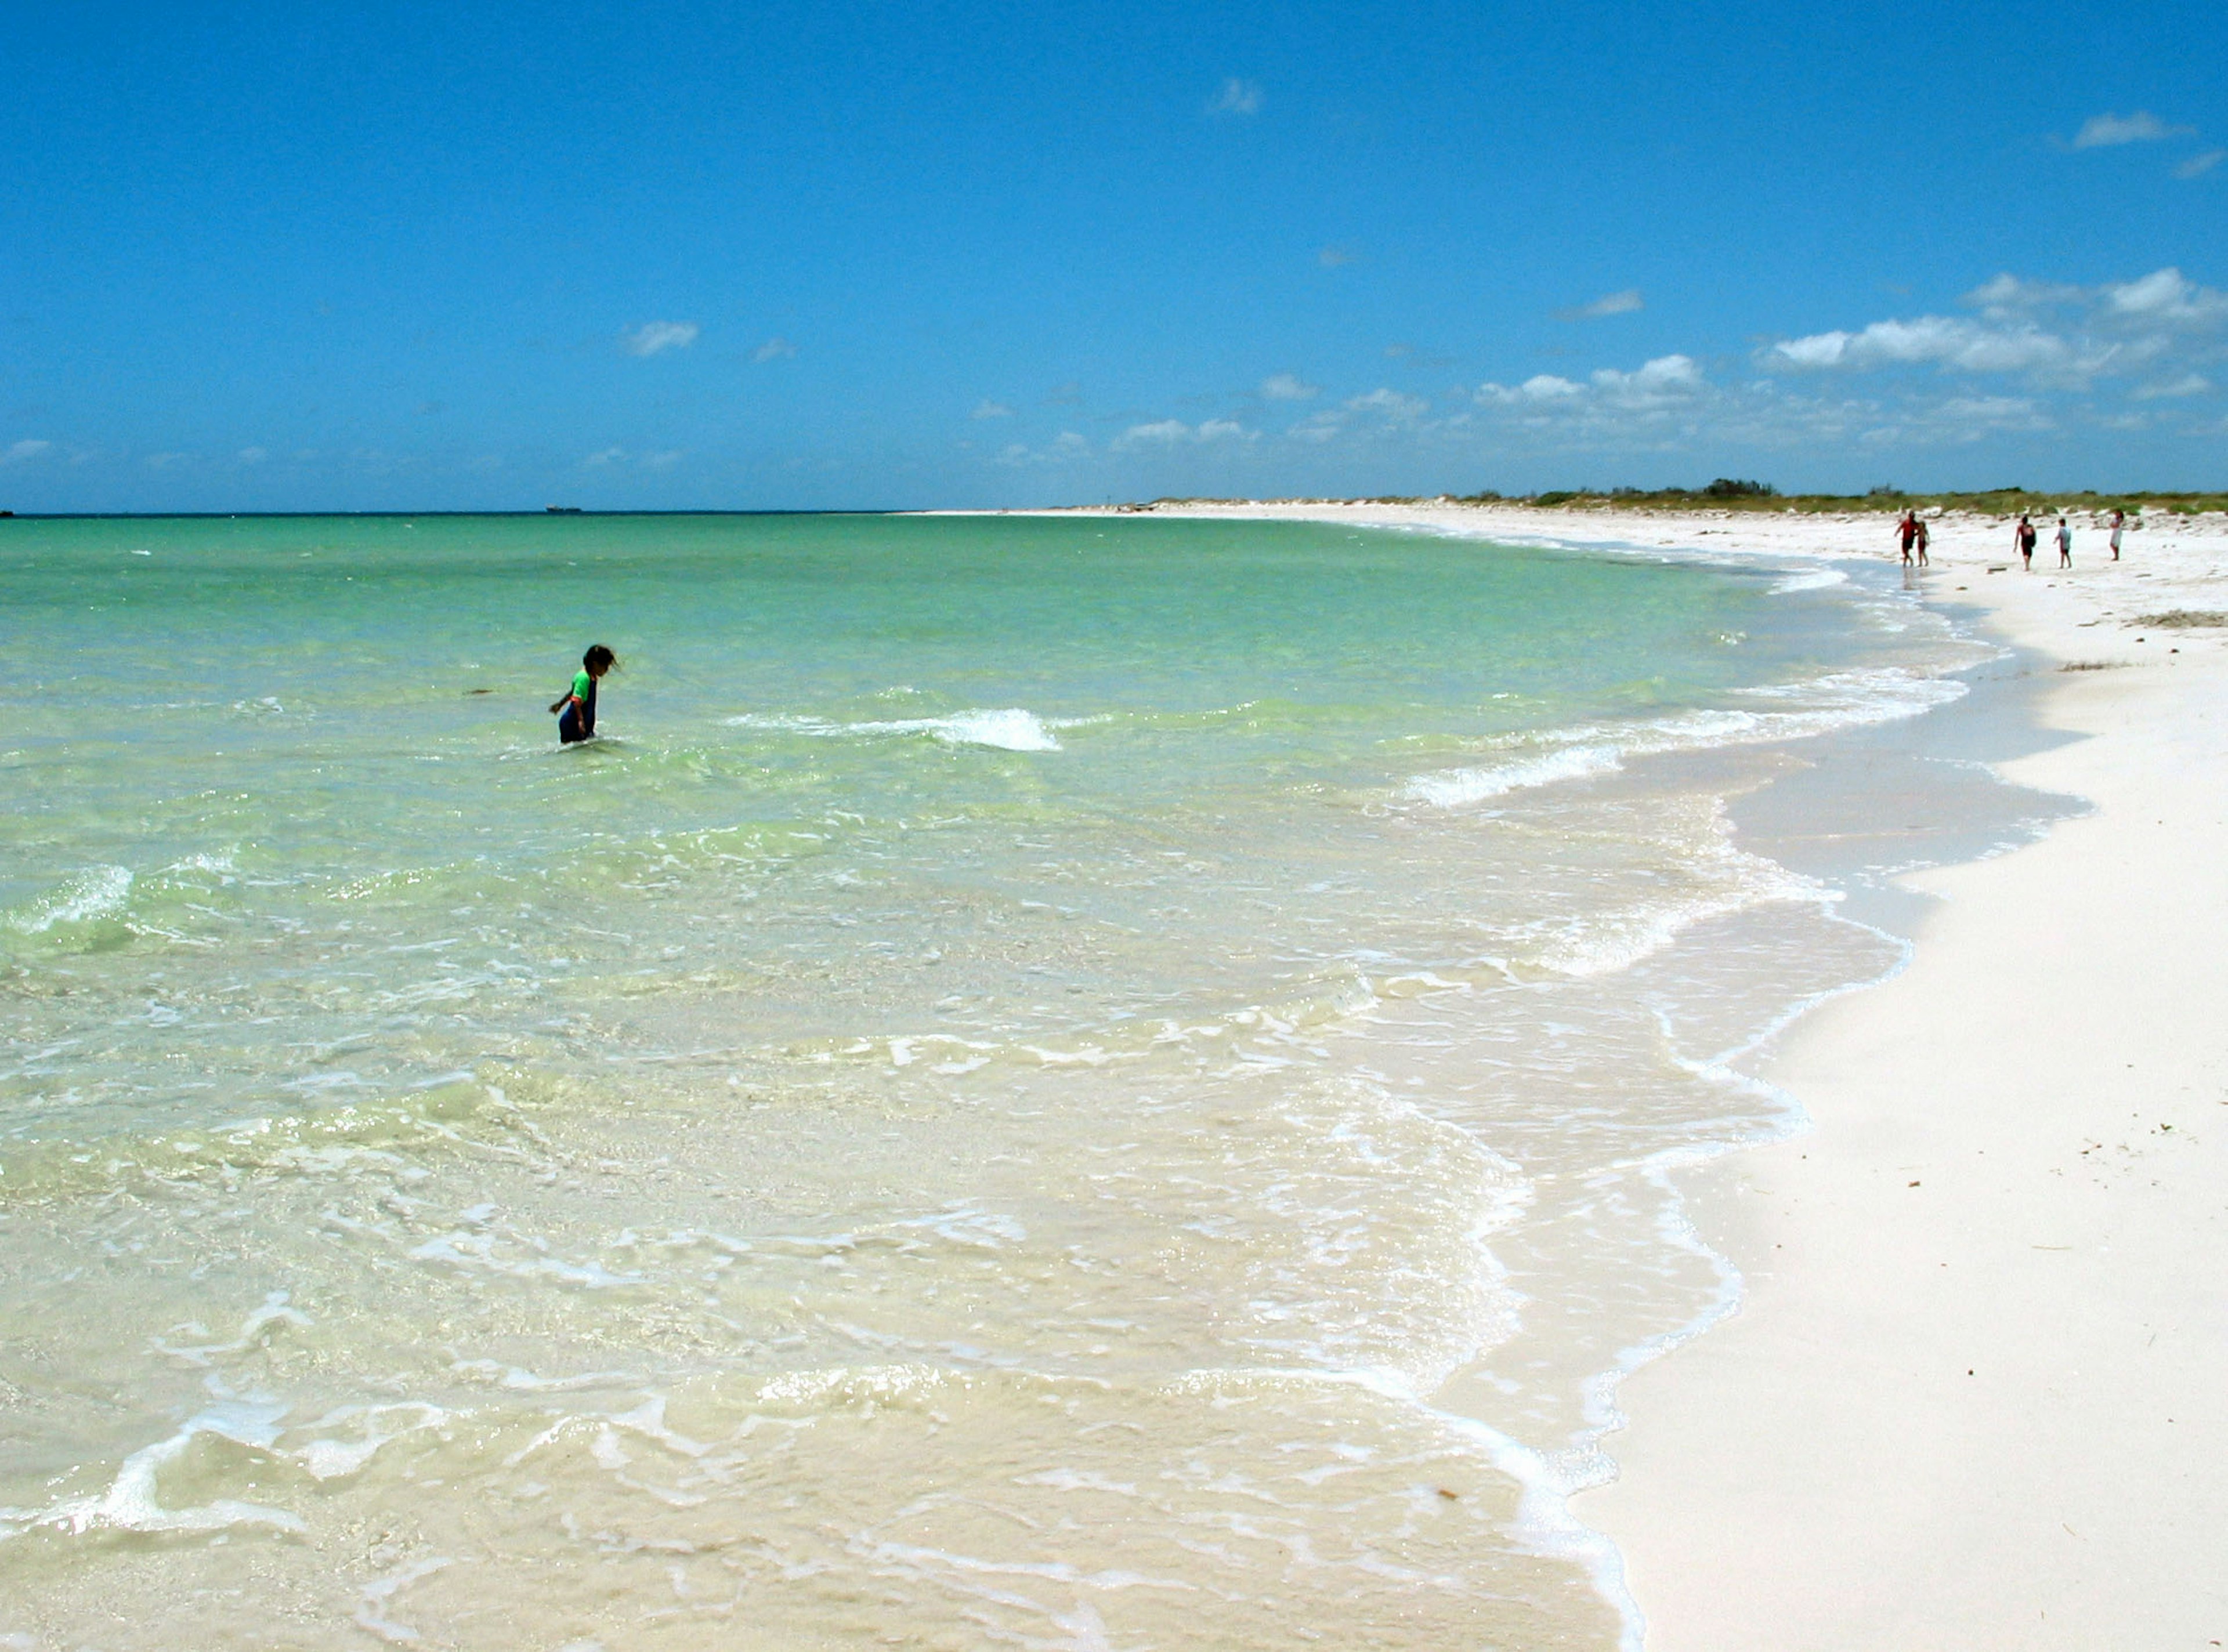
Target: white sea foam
<point>1007,729</point>
<point>1814,579</point>
<point>1603,943</point>
<point>95,893</point>
<point>468,1250</point>
<point>1010,730</point>
<point>371,1614</point>
<point>131,1502</point>
<point>1789,712</point>
<point>336,1459</point>
<point>275,1311</point>
<point>1451,789</point>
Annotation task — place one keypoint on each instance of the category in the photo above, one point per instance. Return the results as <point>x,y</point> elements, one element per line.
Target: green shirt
<point>583,685</point>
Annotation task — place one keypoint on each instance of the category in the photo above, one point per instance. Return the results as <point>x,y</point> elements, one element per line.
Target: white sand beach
<point>1973,1395</point>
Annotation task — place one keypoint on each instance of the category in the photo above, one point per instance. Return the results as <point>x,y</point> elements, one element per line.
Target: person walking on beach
<point>1922,537</point>
<point>2064,544</point>
<point>2119,521</point>
<point>576,711</point>
<point>2025,537</point>
<point>1908,531</point>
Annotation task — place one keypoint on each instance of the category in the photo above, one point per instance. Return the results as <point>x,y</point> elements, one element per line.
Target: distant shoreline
<point>2010,502</point>
<point>1995,501</point>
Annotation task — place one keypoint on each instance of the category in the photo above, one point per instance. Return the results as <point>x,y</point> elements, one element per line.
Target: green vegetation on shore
<point>1727,494</point>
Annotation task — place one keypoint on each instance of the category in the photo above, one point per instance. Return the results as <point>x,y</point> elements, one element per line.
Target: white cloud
<point>2100,131</point>
<point>1236,97</point>
<point>1392,404</point>
<point>609,455</point>
<point>1067,447</point>
<point>2008,296</point>
<point>253,455</point>
<point>988,409</point>
<point>1665,402</point>
<point>663,461</point>
<point>652,338</point>
<point>1172,432</point>
<point>1948,340</point>
<point>2054,336</point>
<point>2167,296</point>
<point>28,449</point>
<point>2198,165</point>
<point>1659,383</point>
<point>2022,358</point>
<point>2190,384</point>
<point>1161,432</point>
<point>1816,350</point>
<point>774,349</point>
<point>1666,379</point>
<point>1613,304</point>
<point>1332,258</point>
<point>1968,418</point>
<point>164,460</point>
<point>1540,387</point>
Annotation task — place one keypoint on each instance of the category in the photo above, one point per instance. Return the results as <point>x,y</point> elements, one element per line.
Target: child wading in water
<point>576,712</point>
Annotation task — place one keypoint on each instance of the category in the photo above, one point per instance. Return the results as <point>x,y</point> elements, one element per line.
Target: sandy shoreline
<point>1974,1396</point>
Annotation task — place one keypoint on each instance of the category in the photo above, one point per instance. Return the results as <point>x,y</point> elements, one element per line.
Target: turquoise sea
<point>1050,1082</point>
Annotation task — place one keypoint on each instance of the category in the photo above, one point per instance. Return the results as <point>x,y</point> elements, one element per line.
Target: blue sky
<point>798,256</point>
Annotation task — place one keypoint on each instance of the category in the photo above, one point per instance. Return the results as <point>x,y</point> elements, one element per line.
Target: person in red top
<point>1908,529</point>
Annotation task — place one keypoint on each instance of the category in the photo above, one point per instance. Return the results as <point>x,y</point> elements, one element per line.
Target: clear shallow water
<point>1050,1082</point>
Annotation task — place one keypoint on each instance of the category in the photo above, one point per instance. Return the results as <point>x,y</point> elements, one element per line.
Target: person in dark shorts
<point>2025,537</point>
<point>576,712</point>
<point>1908,531</point>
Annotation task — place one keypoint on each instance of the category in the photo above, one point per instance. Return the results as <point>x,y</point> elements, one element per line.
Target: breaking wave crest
<point>97,892</point>
<point>1007,729</point>
<point>1787,712</point>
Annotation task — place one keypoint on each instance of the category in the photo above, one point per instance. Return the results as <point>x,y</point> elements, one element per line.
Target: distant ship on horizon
<point>562,510</point>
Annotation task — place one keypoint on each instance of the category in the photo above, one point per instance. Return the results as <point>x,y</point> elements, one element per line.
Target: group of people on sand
<point>1912,530</point>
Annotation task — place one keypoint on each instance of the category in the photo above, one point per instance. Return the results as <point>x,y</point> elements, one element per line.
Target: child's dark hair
<point>600,659</point>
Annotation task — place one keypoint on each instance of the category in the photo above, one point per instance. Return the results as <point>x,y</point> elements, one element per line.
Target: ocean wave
<point>1810,579</point>
<point>1604,943</point>
<point>1790,711</point>
<point>1005,729</point>
<point>86,898</point>
<point>132,1503</point>
<point>1452,787</point>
